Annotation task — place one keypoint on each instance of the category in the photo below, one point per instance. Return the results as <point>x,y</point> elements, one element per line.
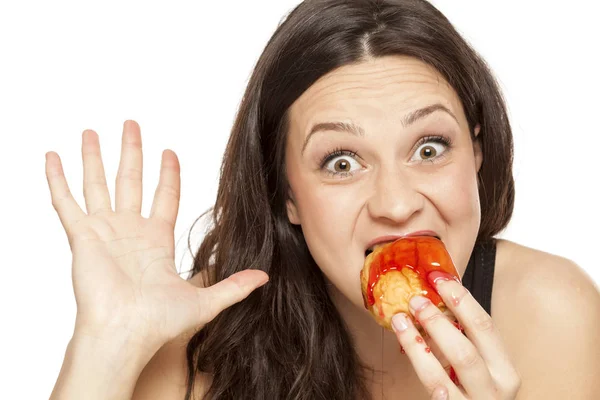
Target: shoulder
<point>165,375</point>
<point>542,278</point>
<point>536,272</point>
<point>547,310</point>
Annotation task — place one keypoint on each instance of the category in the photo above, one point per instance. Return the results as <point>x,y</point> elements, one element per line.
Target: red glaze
<point>453,377</point>
<point>427,349</point>
<point>422,254</point>
<point>419,339</point>
<point>457,325</point>
<point>435,277</point>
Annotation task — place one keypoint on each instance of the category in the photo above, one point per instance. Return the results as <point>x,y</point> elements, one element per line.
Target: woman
<point>363,121</point>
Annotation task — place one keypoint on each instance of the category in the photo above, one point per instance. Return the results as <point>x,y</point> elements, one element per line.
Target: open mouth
<point>371,249</point>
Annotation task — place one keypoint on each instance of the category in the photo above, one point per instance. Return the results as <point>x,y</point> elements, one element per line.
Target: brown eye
<point>428,152</point>
<point>342,166</point>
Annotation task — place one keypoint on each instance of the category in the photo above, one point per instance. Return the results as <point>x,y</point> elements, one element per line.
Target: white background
<point>180,70</point>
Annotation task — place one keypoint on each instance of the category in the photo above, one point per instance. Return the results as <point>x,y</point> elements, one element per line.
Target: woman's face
<point>393,173</point>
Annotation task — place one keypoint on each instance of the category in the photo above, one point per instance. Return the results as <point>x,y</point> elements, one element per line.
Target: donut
<point>396,271</point>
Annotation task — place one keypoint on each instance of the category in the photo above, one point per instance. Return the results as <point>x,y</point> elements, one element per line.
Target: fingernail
<point>440,393</point>
<point>437,277</point>
<point>418,302</point>
<point>399,322</point>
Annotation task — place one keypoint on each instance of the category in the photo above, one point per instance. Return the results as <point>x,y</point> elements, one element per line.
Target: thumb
<point>227,292</point>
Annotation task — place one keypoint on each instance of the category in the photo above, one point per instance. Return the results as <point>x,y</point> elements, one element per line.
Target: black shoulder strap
<point>479,275</point>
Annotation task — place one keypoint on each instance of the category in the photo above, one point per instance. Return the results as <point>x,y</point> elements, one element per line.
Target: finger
<point>435,350</point>
<point>426,365</point>
<point>478,326</point>
<point>468,364</point>
<point>440,393</point>
<point>227,292</point>
<point>128,191</point>
<point>63,202</point>
<point>166,198</point>
<point>95,190</point>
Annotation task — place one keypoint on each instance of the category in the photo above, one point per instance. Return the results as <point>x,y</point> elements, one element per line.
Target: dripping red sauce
<point>457,325</point>
<point>422,254</point>
<point>453,376</point>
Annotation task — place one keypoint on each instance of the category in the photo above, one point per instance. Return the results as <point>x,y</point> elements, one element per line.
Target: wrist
<point>121,336</point>
<point>101,367</point>
<point>112,348</point>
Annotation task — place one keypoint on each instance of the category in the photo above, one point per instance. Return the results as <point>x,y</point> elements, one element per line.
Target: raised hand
<point>124,273</point>
<point>480,361</point>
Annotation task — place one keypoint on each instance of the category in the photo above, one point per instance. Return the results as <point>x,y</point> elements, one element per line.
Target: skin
<point>389,188</point>
<point>393,190</point>
<point>130,298</point>
<point>546,309</point>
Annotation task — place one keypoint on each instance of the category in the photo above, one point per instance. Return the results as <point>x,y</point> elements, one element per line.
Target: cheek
<point>456,195</point>
<point>456,198</point>
<point>328,215</point>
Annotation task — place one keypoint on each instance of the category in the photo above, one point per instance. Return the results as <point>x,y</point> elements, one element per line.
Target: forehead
<point>380,89</point>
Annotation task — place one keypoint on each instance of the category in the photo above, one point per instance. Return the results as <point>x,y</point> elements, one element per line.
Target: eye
<point>341,162</point>
<point>430,148</point>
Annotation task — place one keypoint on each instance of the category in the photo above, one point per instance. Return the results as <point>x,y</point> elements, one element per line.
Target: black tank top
<point>479,275</point>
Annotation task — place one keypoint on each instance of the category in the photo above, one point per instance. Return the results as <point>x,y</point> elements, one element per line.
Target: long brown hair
<point>287,340</point>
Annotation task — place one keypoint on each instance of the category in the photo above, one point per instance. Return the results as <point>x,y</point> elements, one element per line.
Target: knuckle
<point>162,219</point>
<point>235,283</point>
<point>90,185</point>
<point>57,208</point>
<point>99,181</point>
<point>434,318</point>
<point>484,323</point>
<point>462,293</point>
<point>131,143</point>
<point>57,201</point>
<point>168,190</point>
<point>90,151</point>
<point>130,174</point>
<point>466,357</point>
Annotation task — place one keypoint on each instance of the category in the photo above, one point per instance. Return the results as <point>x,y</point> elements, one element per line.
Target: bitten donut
<point>396,271</point>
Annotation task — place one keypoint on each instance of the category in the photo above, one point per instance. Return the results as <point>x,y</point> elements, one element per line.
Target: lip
<point>390,238</point>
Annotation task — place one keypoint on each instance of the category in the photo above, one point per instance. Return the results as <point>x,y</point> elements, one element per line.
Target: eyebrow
<point>356,130</point>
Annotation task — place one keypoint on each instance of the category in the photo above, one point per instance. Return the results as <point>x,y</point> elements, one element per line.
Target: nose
<point>394,197</point>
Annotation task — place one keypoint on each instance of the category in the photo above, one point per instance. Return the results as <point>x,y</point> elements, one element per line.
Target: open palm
<point>124,274</point>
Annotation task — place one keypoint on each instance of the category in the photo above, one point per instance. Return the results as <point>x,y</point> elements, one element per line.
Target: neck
<point>387,370</point>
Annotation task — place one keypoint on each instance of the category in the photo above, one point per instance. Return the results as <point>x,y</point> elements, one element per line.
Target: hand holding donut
<point>418,270</point>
